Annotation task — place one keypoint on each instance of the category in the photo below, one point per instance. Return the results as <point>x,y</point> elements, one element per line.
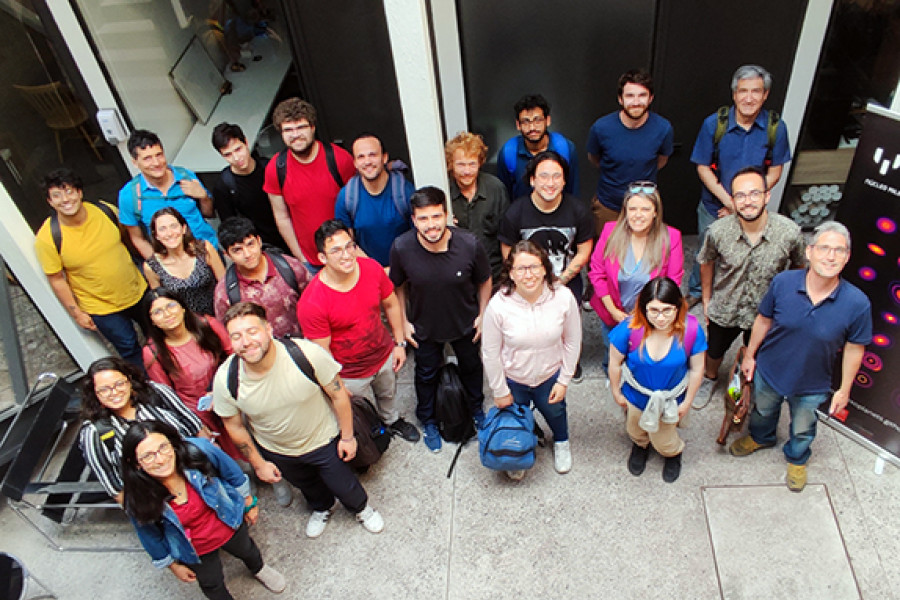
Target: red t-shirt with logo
<point>359,339</point>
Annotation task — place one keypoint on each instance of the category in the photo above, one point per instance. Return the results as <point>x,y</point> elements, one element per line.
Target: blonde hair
<point>471,144</point>
<point>657,237</point>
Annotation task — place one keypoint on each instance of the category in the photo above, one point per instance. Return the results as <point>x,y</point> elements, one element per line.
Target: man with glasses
<point>806,319</point>
<point>731,139</point>
<point>533,122</point>
<point>630,144</point>
<point>445,273</point>
<point>83,254</point>
<point>740,255</point>
<point>555,221</point>
<point>266,277</point>
<point>341,311</point>
<point>303,181</point>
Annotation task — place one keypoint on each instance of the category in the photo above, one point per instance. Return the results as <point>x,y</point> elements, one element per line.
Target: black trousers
<point>209,571</point>
<point>321,476</point>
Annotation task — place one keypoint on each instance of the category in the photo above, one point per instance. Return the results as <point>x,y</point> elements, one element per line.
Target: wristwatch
<point>400,344</point>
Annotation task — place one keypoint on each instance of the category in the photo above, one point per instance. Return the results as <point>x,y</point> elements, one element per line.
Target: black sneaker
<point>638,459</point>
<point>405,430</point>
<point>578,377</point>
<point>672,468</point>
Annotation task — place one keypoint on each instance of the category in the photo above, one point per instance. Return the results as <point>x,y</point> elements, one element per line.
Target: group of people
<point>329,265</point>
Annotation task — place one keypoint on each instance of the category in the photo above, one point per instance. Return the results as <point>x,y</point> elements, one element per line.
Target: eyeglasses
<point>108,390</point>
<point>349,248</point>
<point>839,251</point>
<point>549,176</point>
<point>641,187</point>
<point>661,312</point>
<point>148,458</point>
<point>66,191</point>
<point>755,195</point>
<point>169,308</point>
<point>521,270</point>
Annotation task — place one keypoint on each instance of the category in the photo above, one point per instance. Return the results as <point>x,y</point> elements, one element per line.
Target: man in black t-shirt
<point>446,275</point>
<point>554,220</point>
<point>238,191</point>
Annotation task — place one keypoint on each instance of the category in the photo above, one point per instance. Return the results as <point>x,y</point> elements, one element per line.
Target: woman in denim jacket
<point>186,500</point>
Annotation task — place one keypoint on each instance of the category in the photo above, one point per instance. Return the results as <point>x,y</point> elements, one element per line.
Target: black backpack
<point>452,408</point>
<point>371,433</point>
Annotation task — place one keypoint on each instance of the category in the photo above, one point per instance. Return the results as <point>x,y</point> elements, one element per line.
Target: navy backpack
<point>507,440</point>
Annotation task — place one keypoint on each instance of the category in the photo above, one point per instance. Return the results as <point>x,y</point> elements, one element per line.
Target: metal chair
<point>60,109</point>
<point>14,579</point>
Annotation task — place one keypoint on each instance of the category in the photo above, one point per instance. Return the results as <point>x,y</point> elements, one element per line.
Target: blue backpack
<point>507,440</point>
<point>558,143</point>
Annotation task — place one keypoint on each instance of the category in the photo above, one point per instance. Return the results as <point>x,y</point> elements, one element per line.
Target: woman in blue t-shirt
<point>655,369</point>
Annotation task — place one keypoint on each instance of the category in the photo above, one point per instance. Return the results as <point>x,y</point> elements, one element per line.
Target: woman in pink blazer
<point>631,252</point>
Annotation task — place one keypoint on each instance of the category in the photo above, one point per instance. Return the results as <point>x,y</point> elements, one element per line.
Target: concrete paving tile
<point>788,546</point>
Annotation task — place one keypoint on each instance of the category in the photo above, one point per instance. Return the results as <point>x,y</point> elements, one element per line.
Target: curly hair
<point>471,144</point>
<point>293,109</point>
<point>141,390</point>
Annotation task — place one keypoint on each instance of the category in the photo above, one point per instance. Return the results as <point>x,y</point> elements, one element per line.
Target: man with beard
<point>533,122</point>
<point>747,135</point>
<point>298,433</point>
<point>341,311</point>
<point>741,254</point>
<point>304,180</point>
<point>806,320</point>
<point>631,144</point>
<point>445,273</point>
<point>554,220</point>
<point>375,202</point>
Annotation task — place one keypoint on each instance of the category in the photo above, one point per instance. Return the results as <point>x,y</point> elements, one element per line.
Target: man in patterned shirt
<point>741,254</point>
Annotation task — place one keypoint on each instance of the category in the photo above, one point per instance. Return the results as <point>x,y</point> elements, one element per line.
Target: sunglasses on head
<point>641,187</point>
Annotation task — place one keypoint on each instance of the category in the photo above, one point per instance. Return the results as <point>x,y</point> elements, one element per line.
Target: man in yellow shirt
<point>89,267</point>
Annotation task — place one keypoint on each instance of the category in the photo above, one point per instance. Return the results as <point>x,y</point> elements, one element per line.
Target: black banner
<point>871,210</point>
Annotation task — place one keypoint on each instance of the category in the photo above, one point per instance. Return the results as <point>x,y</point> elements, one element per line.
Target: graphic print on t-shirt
<point>558,242</point>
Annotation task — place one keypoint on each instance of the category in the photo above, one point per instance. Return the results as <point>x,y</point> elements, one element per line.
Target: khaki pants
<point>665,441</point>
<point>602,215</point>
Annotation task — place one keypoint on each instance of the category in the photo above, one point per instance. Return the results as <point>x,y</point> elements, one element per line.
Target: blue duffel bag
<point>507,440</point>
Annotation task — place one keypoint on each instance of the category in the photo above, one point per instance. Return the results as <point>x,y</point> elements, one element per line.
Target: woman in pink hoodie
<point>634,249</point>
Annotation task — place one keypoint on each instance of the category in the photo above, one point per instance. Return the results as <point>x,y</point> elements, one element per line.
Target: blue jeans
<point>704,220</point>
<point>430,357</point>
<point>767,409</point>
<point>554,414</point>
<point>118,328</point>
<point>604,346</point>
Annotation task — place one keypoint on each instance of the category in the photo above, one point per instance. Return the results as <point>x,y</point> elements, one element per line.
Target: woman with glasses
<point>183,352</point>
<point>632,250</point>
<point>187,500</point>
<point>182,263</point>
<point>531,339</point>
<point>655,369</point>
<point>114,394</point>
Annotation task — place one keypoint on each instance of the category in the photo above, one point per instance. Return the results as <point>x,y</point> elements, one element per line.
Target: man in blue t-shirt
<point>805,320</point>
<point>157,186</point>
<point>533,123</point>
<point>627,145</point>
<point>375,202</point>
<point>743,144</point>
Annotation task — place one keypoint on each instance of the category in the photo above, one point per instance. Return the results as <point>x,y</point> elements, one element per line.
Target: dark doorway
<point>346,68</point>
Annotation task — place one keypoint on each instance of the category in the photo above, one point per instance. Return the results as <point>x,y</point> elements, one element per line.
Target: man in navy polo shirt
<point>805,319</point>
<point>159,185</point>
<point>744,143</point>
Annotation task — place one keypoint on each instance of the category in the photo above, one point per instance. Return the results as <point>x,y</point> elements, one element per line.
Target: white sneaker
<point>370,519</point>
<point>272,579</point>
<point>704,394</point>
<point>516,475</point>
<point>562,457</point>
<point>283,494</point>
<point>317,521</point>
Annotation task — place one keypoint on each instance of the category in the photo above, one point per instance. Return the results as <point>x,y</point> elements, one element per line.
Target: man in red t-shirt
<point>306,197</point>
<point>341,311</point>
